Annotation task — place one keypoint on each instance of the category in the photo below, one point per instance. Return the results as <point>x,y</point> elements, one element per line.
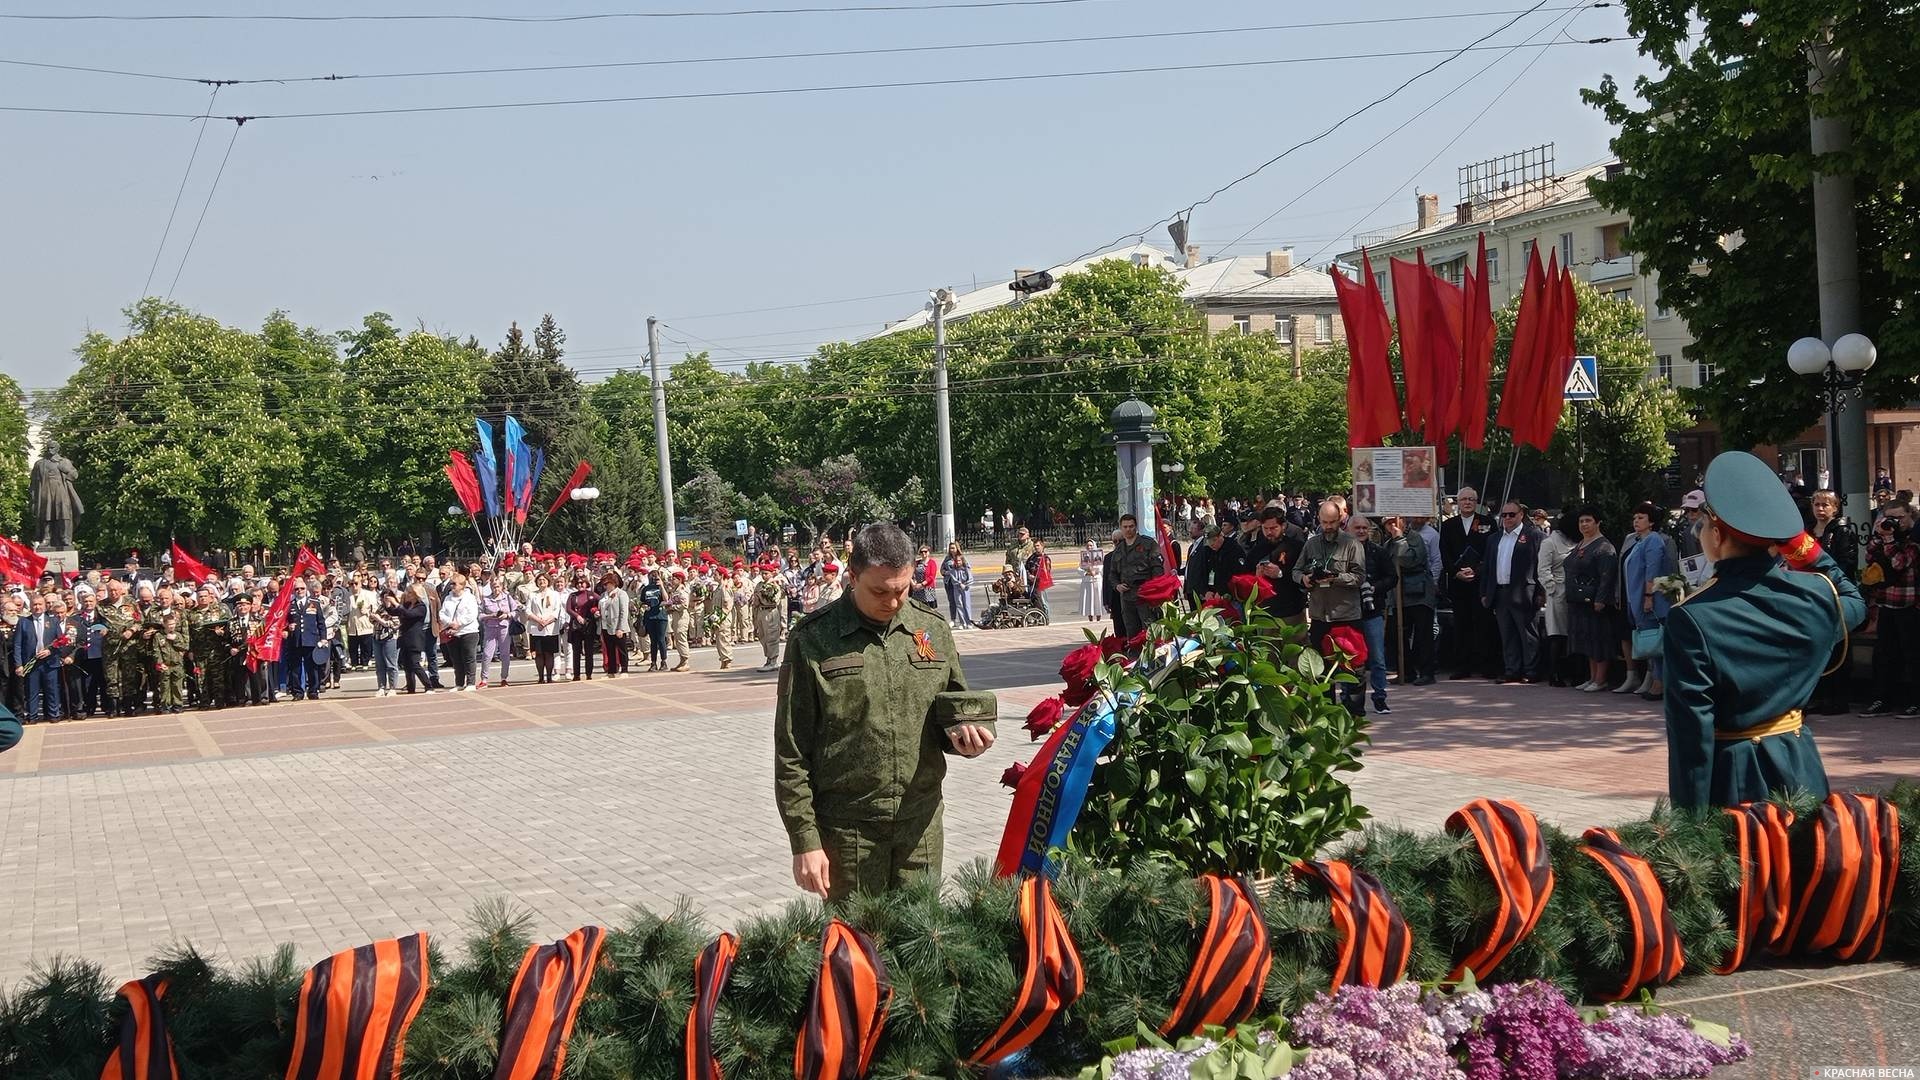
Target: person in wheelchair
<point>1013,605</point>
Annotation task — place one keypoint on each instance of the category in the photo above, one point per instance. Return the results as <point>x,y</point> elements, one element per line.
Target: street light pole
<point>943,434</point>
<point>671,540</point>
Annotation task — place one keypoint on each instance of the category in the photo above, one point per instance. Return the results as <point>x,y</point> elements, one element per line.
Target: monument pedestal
<point>61,561</point>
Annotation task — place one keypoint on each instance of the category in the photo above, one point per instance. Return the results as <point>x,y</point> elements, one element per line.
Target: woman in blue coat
<point>1646,607</point>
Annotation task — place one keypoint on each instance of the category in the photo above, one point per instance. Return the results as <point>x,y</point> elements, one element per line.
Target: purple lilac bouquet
<point>1627,1043</point>
<point>1365,1034</point>
<point>1159,1063</point>
<point>1530,1033</point>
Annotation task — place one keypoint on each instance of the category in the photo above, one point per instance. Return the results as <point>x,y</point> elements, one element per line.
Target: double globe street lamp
<point>1842,369</point>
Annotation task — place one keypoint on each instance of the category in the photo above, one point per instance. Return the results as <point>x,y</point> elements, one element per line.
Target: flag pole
<point>1513,459</point>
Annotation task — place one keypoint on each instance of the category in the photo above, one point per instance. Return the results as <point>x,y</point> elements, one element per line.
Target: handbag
<point>1648,641</point>
<point>1873,575</point>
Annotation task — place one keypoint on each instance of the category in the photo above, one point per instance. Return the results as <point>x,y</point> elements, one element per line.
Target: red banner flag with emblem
<point>264,646</point>
<point>1476,353</point>
<point>20,563</point>
<point>1166,541</point>
<point>1373,406</point>
<point>188,568</point>
<point>579,473</point>
<point>466,484</point>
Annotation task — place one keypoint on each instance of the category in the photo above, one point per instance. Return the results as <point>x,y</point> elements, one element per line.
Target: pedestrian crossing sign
<point>1583,379</point>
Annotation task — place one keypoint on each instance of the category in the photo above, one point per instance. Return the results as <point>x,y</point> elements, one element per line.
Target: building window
<point>1322,328</point>
<point>1283,327</point>
<point>1243,323</point>
<point>1566,250</point>
<point>1613,240</point>
<point>1453,271</point>
<point>1707,372</point>
<point>1660,309</point>
<point>1663,365</point>
<point>1380,281</point>
<point>1493,264</point>
<point>1623,295</point>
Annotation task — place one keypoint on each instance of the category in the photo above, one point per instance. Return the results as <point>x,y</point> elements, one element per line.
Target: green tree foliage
<point>410,400</point>
<point>171,433</point>
<point>14,466</point>
<point>533,383</point>
<point>1718,179</point>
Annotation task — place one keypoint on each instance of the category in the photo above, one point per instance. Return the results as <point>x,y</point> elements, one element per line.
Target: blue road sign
<point>1583,379</point>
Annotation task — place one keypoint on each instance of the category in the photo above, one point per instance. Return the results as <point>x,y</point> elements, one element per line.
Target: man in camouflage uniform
<point>169,648</point>
<point>124,651</point>
<point>208,624</point>
<point>679,614</point>
<point>871,699</point>
<point>1018,554</point>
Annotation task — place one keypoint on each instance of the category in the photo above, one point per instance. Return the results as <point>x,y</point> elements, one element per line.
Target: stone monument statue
<point>56,502</point>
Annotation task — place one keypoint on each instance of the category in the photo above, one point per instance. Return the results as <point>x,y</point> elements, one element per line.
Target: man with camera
<point>1333,564</point>
<point>1894,553</point>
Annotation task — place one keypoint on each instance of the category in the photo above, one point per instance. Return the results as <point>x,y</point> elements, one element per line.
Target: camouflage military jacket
<point>855,738</point>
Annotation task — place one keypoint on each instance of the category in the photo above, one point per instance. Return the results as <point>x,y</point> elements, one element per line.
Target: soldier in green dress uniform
<point>1743,654</point>
<point>121,651</point>
<point>208,622</point>
<point>871,699</point>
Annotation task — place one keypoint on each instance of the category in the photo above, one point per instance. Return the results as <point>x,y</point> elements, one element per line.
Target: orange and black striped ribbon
<point>354,1011</point>
<point>846,1009</point>
<point>1375,941</point>
<point>1508,836</point>
<point>710,973</point>
<point>143,1051</point>
<point>546,996</point>
<point>1230,968</point>
<point>1766,880</point>
<point>1844,890</point>
<point>1656,956</point>
<point>1053,978</point>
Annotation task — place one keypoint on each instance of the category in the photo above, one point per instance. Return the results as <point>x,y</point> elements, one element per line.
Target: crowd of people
<point>126,642</point>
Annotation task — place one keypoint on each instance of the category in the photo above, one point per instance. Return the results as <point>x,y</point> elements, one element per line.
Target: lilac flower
<point>1365,1034</point>
<point>1628,1044</point>
<point>1531,1033</point>
<point>1157,1064</point>
<point>1451,1016</point>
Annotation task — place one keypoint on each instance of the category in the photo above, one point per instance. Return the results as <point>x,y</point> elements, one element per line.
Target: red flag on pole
<point>1517,395</point>
<point>1556,356</point>
<point>579,473</point>
<point>264,646</point>
<point>21,563</point>
<point>1476,353</point>
<point>1373,407</point>
<point>1409,306</point>
<point>466,484</point>
<point>1441,323</point>
<point>188,568</point>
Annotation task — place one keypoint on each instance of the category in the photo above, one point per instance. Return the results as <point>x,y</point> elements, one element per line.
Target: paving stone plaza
<point>327,824</point>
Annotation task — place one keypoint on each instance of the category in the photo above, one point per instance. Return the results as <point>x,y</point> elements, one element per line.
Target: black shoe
<point>1911,712</point>
<point>1381,708</point>
<point>1424,680</point>
<point>1878,708</point>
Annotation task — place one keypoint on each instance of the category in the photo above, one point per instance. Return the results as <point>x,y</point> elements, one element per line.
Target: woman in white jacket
<point>545,608</point>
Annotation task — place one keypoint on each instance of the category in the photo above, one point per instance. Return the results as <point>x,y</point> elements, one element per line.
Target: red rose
<point>1112,646</point>
<point>1159,590</point>
<point>1219,603</point>
<point>1011,778</point>
<point>1345,645</point>
<point>1244,585</point>
<point>1043,718</point>
<point>1137,640</point>
<point>1076,696</point>
<point>1077,668</point>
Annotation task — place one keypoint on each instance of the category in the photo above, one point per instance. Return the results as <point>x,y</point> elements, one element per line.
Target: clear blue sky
<point>604,214</point>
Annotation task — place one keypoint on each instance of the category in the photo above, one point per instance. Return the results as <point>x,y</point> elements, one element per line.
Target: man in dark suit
<point>1510,590</point>
<point>33,644</point>
<point>1215,560</point>
<point>1464,540</point>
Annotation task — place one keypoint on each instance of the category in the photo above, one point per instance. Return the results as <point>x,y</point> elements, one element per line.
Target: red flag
<point>579,473</point>
<point>466,484</point>
<point>188,568</point>
<point>21,563</point>
<point>1556,356</point>
<point>1373,407</point>
<point>1441,323</point>
<point>265,645</point>
<point>1476,353</point>
<point>1517,394</point>
<point>1416,369</point>
<point>1166,541</point>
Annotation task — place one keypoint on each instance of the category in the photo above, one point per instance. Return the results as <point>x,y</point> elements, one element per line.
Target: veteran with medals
<point>1744,653</point>
<point>871,700</point>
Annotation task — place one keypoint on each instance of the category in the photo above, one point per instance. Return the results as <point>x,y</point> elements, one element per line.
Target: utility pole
<point>671,540</point>
<point>943,432</point>
<point>1837,262</point>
